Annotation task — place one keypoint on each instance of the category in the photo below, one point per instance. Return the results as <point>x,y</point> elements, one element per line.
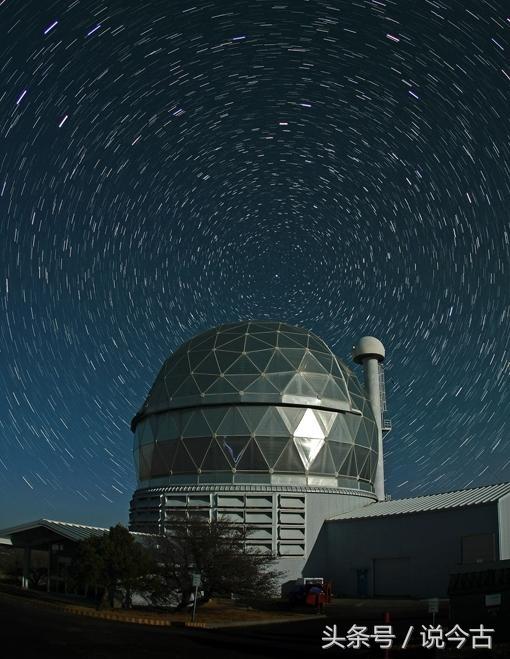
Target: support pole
<point>27,564</point>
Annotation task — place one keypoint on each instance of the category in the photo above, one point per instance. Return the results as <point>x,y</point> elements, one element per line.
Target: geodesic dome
<point>255,401</point>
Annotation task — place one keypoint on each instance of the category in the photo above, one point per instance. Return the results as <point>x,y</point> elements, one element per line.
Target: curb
<point>254,623</point>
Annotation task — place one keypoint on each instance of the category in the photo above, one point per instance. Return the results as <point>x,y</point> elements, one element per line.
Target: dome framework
<point>262,402</point>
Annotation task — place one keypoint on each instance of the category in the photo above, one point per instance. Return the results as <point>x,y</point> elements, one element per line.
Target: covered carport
<point>57,539</point>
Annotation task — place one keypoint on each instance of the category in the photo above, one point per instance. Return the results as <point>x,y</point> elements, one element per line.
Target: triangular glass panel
<point>252,459</point>
<point>293,355</point>
<point>280,380</point>
<point>242,366</point>
<point>292,417</point>
<point>236,345</point>
<point>182,461</point>
<point>333,391</point>
<point>271,447</point>
<point>360,455</point>
<point>348,467</point>
<point>225,359</point>
<point>145,456</point>
<point>362,438</point>
<point>289,461</point>
<point>221,386</point>
<point>272,424</point>
<point>355,387</point>
<point>314,343</point>
<point>203,382</point>
<point>233,424</point>
<point>241,382</point>
<point>352,421</point>
<point>298,386</point>
<point>339,453</point>
<point>178,367</point>
<point>197,448</point>
<point>317,382</point>
<point>227,337</point>
<point>339,431</point>
<point>253,415</point>
<point>260,358</point>
<point>308,449</point>
<point>171,385</point>
<point>270,337</point>
<point>163,457</point>
<point>311,365</point>
<point>323,463</point>
<point>364,471</point>
<point>208,366</point>
<point>233,447</point>
<point>214,416</point>
<point>215,459</point>
<point>299,338</point>
<point>196,357</point>
<point>326,361</point>
<point>278,364</point>
<point>326,419</point>
<point>196,425</point>
<point>372,434</point>
<point>262,386</point>
<point>167,428</point>
<point>287,341</point>
<point>188,388</point>
<point>256,343</point>
<point>309,427</point>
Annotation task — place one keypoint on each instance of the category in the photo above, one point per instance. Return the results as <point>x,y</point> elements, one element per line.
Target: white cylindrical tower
<point>369,351</point>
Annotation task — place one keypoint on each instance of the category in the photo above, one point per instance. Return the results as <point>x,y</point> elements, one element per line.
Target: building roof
<point>66,529</point>
<point>254,362</point>
<point>456,499</point>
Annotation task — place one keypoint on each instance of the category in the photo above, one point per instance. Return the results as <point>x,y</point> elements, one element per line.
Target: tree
<point>112,562</point>
<point>217,550</point>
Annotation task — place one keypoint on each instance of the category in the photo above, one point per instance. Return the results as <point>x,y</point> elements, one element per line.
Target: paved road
<point>29,631</point>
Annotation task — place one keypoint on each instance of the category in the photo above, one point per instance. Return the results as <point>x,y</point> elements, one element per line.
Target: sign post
<point>434,608</point>
<point>196,580</point>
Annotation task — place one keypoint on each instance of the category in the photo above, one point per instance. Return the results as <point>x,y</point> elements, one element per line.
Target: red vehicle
<point>312,592</point>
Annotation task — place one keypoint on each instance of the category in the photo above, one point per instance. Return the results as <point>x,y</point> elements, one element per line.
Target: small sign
<point>196,580</point>
<point>434,605</point>
<point>494,599</point>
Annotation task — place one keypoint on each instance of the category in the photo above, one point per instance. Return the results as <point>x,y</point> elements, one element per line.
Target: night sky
<point>167,166</point>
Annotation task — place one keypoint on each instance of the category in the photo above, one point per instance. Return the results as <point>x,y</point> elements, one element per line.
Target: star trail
<point>169,166</point>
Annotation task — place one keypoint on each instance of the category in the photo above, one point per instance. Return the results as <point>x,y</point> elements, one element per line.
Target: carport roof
<point>67,530</point>
<point>456,499</point>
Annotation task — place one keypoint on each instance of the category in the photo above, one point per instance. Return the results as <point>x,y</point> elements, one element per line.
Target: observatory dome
<point>255,401</point>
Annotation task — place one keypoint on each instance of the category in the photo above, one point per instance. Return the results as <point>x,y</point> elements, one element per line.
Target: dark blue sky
<point>165,167</point>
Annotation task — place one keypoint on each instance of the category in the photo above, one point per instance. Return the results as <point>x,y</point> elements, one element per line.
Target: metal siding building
<point>409,547</point>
